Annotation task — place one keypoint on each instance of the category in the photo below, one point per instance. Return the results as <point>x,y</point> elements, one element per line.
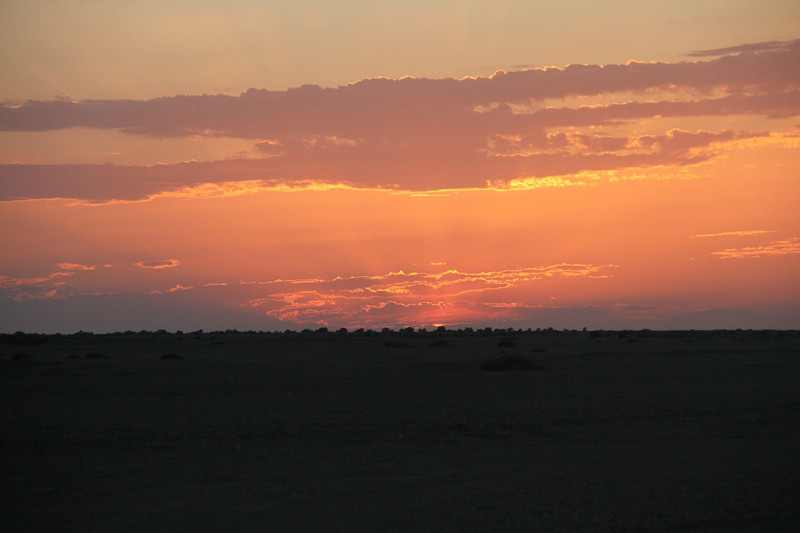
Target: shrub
<point>509,362</point>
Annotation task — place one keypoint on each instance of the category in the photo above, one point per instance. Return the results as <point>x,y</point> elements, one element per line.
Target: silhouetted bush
<point>509,362</point>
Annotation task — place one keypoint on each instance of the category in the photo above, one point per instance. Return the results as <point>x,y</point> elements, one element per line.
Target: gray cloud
<point>747,48</point>
<point>416,134</point>
<point>369,106</point>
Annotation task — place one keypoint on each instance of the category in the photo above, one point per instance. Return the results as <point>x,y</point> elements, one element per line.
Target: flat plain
<point>609,431</point>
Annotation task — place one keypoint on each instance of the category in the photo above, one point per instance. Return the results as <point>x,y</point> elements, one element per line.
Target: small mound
<point>95,355</point>
<point>171,356</point>
<point>506,362</point>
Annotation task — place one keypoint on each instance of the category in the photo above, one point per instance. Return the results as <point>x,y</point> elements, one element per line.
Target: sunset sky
<point>276,165</point>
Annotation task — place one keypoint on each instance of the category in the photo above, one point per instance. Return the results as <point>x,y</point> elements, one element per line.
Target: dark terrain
<point>598,431</point>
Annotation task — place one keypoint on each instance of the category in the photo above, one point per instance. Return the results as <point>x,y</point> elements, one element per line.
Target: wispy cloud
<point>52,294</point>
<point>404,297</point>
<point>743,233</point>
<point>75,266</point>
<point>176,288</point>
<point>35,288</point>
<point>783,247</point>
<point>748,48</point>
<point>9,282</point>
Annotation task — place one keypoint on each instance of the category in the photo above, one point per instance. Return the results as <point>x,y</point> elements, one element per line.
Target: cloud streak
<point>775,248</point>
<point>353,111</point>
<point>743,233</point>
<point>750,47</point>
<point>75,266</point>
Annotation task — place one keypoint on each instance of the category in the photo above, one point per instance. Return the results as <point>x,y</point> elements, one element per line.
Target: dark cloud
<point>679,141</point>
<point>374,105</point>
<point>416,134</point>
<point>270,147</point>
<point>107,183</point>
<point>162,263</point>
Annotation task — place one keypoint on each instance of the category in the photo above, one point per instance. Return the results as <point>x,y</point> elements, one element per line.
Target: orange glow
<point>599,196</point>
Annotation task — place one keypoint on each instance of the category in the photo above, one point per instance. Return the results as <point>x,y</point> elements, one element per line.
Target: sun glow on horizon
<point>650,193</point>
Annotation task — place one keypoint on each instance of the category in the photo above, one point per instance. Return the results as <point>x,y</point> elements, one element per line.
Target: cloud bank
<point>421,134</point>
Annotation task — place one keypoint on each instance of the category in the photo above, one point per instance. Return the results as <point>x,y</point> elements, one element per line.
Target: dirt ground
<point>639,431</point>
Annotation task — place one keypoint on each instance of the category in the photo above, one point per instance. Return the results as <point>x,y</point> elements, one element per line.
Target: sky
<point>272,165</point>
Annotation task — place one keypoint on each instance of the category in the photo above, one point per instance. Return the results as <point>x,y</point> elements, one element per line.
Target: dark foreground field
<point>247,432</point>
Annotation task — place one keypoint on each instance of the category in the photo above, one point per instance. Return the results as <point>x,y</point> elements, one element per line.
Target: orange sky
<point>638,194</point>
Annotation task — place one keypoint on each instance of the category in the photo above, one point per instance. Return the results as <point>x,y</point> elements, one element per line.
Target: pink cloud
<point>399,298</point>
<point>176,288</point>
<point>49,295</point>
<point>742,233</point>
<point>9,282</point>
<point>75,266</point>
<point>34,288</point>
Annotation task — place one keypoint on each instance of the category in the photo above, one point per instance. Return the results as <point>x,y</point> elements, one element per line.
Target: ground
<point>635,431</point>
